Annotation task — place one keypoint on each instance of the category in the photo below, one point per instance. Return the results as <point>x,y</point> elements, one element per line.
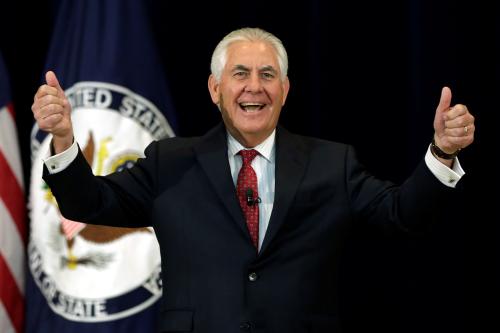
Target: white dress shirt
<point>264,166</point>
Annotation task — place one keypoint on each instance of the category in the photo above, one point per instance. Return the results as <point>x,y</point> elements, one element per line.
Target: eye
<point>267,75</point>
<point>240,74</point>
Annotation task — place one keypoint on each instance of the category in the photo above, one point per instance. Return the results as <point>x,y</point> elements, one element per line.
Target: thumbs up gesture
<point>52,112</point>
<point>453,125</point>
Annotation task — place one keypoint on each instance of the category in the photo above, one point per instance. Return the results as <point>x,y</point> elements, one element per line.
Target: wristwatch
<point>439,153</point>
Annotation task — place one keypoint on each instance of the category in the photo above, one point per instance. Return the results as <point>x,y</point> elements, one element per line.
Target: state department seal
<point>93,273</point>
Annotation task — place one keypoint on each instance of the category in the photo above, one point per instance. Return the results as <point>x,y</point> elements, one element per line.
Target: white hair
<point>219,57</point>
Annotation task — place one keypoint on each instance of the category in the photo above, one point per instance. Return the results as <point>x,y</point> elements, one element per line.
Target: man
<point>251,217</point>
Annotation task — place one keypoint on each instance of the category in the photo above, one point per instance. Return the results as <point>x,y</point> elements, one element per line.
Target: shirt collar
<point>265,148</point>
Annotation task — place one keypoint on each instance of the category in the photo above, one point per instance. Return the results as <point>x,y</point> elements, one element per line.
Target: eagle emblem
<point>97,234</point>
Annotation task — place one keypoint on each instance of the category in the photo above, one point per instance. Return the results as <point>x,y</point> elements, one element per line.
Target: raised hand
<point>453,125</point>
<point>52,112</point>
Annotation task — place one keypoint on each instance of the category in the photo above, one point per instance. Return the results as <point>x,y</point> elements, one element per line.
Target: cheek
<point>230,91</point>
<point>278,95</point>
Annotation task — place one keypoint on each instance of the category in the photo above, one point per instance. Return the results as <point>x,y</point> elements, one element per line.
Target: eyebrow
<point>241,68</point>
<point>267,68</point>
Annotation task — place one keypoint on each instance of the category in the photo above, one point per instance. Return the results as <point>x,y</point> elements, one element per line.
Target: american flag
<point>12,217</point>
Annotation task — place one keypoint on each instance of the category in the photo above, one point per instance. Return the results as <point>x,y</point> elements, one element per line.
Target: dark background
<point>368,74</point>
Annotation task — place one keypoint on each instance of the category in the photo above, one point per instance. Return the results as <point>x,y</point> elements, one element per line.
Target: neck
<point>249,140</point>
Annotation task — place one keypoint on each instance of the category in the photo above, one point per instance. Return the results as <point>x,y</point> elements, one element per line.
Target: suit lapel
<point>211,153</point>
<point>291,161</point>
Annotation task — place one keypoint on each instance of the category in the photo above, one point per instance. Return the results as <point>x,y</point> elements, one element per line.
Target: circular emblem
<point>96,273</point>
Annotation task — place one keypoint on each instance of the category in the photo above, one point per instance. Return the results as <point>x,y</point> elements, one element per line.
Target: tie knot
<point>248,155</point>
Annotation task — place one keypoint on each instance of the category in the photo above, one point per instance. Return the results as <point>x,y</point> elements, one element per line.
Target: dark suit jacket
<point>184,189</point>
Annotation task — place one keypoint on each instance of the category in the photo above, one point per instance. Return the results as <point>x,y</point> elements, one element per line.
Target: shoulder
<point>177,143</point>
<point>317,143</point>
<point>170,147</point>
<point>180,146</point>
<point>315,147</point>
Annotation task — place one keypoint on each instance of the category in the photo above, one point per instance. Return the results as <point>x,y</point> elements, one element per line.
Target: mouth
<point>251,106</point>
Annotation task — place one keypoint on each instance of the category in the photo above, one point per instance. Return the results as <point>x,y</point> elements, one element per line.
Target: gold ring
<point>466,129</point>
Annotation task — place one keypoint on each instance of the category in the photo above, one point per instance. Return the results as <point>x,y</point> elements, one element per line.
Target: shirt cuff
<point>445,175</point>
<point>61,161</point>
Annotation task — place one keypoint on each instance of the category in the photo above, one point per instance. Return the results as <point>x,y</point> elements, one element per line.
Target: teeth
<point>251,107</point>
<point>251,104</point>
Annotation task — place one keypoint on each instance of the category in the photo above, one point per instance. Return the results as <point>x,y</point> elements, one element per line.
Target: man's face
<point>250,93</point>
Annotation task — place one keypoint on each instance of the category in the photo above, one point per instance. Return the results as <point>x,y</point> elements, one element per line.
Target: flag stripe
<point>8,142</point>
<point>12,217</point>
<point>12,195</point>
<point>11,297</point>
<point>71,228</point>
<point>12,247</point>
<point>5,323</point>
<point>10,107</point>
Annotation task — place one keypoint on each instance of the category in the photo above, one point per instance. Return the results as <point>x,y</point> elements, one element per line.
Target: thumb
<point>52,81</point>
<point>444,101</point>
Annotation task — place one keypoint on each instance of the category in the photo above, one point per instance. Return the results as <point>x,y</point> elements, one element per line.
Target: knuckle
<point>51,99</point>
<point>44,89</point>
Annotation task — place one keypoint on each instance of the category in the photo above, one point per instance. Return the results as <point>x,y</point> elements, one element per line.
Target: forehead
<point>251,54</point>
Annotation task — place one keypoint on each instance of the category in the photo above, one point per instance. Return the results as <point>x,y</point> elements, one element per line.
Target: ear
<point>213,88</point>
<point>286,88</point>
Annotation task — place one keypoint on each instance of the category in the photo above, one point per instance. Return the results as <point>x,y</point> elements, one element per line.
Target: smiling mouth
<point>251,107</point>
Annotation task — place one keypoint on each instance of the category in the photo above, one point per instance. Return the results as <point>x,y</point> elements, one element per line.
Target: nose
<point>254,85</point>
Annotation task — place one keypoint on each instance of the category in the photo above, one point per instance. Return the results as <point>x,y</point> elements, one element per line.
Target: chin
<point>251,130</point>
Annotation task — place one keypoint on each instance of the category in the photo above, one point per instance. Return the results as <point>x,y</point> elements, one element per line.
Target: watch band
<point>439,153</point>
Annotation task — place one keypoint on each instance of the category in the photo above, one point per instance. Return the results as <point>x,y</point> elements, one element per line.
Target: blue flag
<point>85,278</point>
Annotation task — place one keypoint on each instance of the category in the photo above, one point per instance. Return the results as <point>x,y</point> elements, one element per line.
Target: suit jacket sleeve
<point>410,206</point>
<point>121,199</point>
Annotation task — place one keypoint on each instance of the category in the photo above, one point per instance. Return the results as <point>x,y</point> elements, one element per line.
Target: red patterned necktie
<point>246,188</point>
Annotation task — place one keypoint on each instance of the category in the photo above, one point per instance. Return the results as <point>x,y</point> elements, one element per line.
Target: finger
<point>43,101</point>
<point>444,101</point>
<point>52,81</point>
<point>50,99</point>
<point>460,131</point>
<point>456,111</point>
<point>50,123</point>
<point>44,90</point>
<point>48,111</point>
<point>460,121</point>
